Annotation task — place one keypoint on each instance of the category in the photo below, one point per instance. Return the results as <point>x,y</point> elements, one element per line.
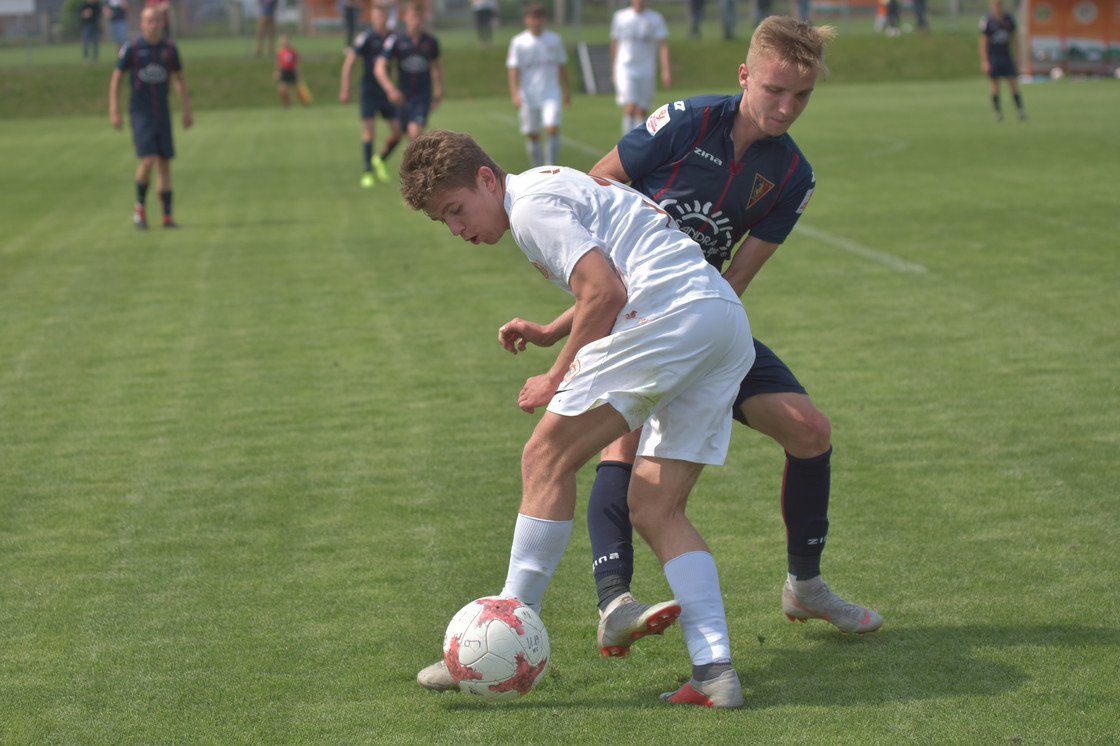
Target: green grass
<point>249,469</point>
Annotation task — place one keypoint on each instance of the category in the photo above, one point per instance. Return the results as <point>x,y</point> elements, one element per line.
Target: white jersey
<point>538,60</point>
<point>638,36</point>
<point>559,214</point>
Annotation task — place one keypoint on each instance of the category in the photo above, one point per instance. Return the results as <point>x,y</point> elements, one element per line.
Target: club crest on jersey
<point>541,268</point>
<point>760,189</point>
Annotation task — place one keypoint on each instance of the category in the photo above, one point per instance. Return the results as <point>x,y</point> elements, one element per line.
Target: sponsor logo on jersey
<point>760,189</point>
<point>805,201</point>
<point>152,73</point>
<point>712,230</point>
<point>657,120</point>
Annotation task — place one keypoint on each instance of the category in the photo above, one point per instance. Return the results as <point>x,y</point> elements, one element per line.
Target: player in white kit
<point>538,84</point>
<point>639,45</point>
<point>656,339</point>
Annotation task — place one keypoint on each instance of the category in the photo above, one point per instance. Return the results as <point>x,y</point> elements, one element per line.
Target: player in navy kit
<point>725,167</point>
<point>153,65</point>
<point>374,101</point>
<point>419,86</point>
<point>997,32</point>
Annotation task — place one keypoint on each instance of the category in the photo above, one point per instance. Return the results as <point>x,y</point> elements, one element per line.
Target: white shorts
<point>635,89</point>
<point>534,118</point>
<point>678,375</point>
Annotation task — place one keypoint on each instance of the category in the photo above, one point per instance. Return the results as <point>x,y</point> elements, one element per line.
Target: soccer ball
<point>496,648</point>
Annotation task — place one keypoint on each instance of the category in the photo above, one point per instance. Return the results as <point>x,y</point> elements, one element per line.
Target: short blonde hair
<point>790,42</point>
<point>438,162</point>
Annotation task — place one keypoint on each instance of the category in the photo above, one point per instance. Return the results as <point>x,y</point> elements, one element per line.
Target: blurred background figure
<point>485,15</point>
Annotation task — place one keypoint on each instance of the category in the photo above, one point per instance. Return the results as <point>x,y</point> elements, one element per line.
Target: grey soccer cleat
<point>626,620</point>
<point>437,678</point>
<point>812,599</point>
<point>722,691</point>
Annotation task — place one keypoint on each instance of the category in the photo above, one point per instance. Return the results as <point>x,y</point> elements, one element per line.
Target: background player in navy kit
<point>734,154</point>
<point>997,34</point>
<point>374,99</point>
<point>153,64</point>
<point>419,86</point>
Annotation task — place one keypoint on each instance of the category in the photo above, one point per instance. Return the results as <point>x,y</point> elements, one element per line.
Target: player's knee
<point>810,436</point>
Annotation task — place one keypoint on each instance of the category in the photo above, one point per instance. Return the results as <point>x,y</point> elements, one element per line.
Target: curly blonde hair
<point>438,162</point>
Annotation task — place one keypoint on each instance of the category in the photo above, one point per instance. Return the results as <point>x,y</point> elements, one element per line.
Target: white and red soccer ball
<point>496,648</point>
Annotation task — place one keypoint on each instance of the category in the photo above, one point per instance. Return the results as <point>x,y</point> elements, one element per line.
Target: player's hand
<point>115,119</point>
<point>517,334</point>
<point>396,97</point>
<point>517,100</point>
<point>537,392</point>
<point>344,97</point>
<point>436,99</point>
<point>188,119</point>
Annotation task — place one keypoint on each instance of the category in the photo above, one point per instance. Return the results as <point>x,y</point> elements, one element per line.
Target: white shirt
<point>559,214</point>
<point>638,36</point>
<point>538,60</point>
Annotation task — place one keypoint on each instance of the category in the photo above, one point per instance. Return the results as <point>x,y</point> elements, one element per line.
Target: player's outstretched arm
<point>516,334</point>
<point>750,257</point>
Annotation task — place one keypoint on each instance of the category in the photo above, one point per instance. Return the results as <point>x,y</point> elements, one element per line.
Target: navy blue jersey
<point>151,66</point>
<point>414,62</point>
<point>368,45</point>
<point>684,159</point>
<point>999,31</point>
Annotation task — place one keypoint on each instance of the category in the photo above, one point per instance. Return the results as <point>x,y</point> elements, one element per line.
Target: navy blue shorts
<point>151,135</point>
<point>372,106</point>
<point>1002,67</point>
<point>288,76</point>
<point>768,375</point>
<point>415,110</point>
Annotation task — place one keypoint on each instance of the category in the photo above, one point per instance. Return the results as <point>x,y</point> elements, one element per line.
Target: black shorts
<point>1002,67</point>
<point>288,76</point>
<point>151,135</point>
<point>373,105</point>
<point>768,375</point>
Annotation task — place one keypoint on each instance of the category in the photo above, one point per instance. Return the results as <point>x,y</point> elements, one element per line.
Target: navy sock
<point>805,490</point>
<point>165,199</point>
<point>608,524</point>
<point>995,102</point>
<point>1018,101</point>
<point>141,193</point>
<point>367,155</point>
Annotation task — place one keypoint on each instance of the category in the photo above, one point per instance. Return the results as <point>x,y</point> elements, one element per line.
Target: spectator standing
<point>89,15</point>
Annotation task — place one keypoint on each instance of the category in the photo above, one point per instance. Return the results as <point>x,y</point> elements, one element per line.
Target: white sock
<point>534,148</point>
<point>552,149</point>
<point>695,583</point>
<point>537,548</point>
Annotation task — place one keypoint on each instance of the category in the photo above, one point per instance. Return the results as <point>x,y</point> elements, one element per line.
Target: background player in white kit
<point>538,85</point>
<point>656,339</point>
<point>639,45</point>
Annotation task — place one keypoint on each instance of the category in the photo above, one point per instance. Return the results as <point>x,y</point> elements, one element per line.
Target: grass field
<point>249,469</point>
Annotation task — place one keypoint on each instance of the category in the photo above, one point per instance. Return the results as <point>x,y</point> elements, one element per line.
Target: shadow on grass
<point>892,665</point>
<point>909,664</point>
